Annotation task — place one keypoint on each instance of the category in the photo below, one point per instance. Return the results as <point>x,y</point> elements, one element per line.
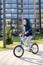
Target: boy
<point>28,32</point>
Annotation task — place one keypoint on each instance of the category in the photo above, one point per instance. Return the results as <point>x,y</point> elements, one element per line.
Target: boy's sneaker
<point>30,49</point>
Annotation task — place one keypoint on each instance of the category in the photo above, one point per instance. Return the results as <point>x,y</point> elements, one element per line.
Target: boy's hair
<point>27,20</point>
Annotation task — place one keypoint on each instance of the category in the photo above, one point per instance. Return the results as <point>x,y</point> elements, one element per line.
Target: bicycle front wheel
<point>35,48</point>
<point>18,51</point>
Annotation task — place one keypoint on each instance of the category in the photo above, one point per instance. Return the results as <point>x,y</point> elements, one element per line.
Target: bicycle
<point>18,51</point>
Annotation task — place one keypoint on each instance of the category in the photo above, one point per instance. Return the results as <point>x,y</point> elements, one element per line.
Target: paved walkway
<point>7,58</point>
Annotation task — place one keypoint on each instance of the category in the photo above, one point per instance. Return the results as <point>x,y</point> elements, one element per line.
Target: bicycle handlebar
<point>21,35</point>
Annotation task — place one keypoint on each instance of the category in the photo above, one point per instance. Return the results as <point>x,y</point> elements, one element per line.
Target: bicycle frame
<point>23,38</point>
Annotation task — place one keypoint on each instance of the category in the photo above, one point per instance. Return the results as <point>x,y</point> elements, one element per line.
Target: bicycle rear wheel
<point>18,51</point>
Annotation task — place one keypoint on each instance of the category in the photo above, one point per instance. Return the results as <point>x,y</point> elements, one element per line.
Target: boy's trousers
<point>27,40</point>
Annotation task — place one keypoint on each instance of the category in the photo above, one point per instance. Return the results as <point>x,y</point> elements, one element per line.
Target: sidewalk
<point>7,58</point>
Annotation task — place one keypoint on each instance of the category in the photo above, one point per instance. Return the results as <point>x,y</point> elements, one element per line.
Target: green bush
<point>9,40</point>
<point>9,37</point>
<point>1,35</point>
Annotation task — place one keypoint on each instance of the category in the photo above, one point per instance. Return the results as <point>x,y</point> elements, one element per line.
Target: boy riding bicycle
<point>25,38</point>
<point>27,33</point>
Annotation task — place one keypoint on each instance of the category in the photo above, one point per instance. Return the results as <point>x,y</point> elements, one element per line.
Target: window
<point>10,10</point>
<point>7,1</point>
<point>14,15</point>
<point>31,1</point>
<point>31,20</point>
<point>13,5</point>
<point>24,11</point>
<point>31,6</point>
<point>42,6</point>
<point>10,1</point>
<point>1,0</point>
<point>7,6</point>
<point>25,1</point>
<point>31,16</point>
<point>31,11</point>
<point>8,15</point>
<point>25,16</point>
<point>7,10</point>
<point>19,1</point>
<point>25,6</point>
<point>41,1</point>
<point>13,1</point>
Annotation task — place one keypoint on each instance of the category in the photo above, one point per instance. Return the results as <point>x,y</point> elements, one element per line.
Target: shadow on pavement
<point>34,60</point>
<point>40,54</point>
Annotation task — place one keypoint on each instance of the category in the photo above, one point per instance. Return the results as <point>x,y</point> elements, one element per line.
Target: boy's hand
<point>26,32</point>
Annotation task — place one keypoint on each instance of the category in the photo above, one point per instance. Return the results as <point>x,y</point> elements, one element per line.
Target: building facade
<point>1,20</point>
<point>16,10</point>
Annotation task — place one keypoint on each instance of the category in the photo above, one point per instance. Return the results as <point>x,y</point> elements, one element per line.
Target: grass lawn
<point>8,47</point>
<point>16,40</point>
<point>37,39</point>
